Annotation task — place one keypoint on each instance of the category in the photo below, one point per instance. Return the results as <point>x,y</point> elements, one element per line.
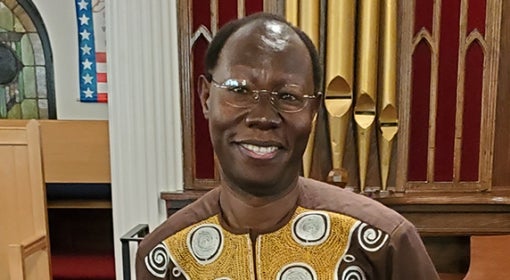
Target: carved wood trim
<point>488,123</point>
<point>404,88</point>
<point>501,174</point>
<point>490,46</point>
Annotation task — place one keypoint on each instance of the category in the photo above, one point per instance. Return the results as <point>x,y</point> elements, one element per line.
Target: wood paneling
<point>75,151</point>
<point>463,93</point>
<point>489,258</point>
<point>501,175</point>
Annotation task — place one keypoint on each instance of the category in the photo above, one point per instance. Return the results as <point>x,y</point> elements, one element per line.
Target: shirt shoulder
<point>199,210</point>
<point>322,196</point>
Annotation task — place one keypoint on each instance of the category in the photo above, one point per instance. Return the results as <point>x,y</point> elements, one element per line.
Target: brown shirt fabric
<point>316,231</point>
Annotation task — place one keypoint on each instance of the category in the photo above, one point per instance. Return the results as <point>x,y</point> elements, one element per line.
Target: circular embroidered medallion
<point>205,243</point>
<point>297,271</point>
<point>310,228</point>
<point>353,273</point>
<point>157,261</point>
<point>371,239</point>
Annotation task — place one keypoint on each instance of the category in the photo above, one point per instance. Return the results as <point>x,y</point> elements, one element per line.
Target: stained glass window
<point>26,69</point>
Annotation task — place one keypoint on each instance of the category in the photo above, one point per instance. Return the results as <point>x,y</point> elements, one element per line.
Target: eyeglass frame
<point>255,95</point>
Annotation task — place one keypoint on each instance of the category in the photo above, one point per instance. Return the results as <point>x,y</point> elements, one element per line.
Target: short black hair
<point>217,43</point>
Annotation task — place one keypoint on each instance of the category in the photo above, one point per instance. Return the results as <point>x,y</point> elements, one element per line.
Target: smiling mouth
<point>261,152</point>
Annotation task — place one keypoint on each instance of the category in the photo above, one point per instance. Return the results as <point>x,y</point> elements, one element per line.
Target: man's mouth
<point>260,152</point>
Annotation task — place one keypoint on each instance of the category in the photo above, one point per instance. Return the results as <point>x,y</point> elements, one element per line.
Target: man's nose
<point>263,114</point>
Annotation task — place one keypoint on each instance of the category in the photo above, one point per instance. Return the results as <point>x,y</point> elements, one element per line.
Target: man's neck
<point>244,212</point>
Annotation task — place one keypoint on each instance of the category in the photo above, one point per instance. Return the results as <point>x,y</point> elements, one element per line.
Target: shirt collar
<point>243,215</point>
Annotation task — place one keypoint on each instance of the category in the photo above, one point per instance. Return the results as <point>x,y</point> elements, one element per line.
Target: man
<point>260,95</point>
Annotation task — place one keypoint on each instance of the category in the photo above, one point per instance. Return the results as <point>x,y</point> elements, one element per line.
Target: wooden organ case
<point>426,134</point>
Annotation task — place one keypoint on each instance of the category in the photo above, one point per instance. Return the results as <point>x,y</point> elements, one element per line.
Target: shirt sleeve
<point>410,259</point>
<point>153,265</point>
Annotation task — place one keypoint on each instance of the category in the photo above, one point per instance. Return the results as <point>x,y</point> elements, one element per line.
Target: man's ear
<point>203,86</point>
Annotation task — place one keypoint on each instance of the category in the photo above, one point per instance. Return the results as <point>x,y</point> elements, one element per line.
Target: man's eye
<point>239,90</point>
<point>285,96</point>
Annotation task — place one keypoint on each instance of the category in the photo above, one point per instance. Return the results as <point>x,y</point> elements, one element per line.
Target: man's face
<point>259,148</point>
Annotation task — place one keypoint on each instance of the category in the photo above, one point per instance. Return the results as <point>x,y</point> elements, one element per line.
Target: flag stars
<point>83,5</point>
<point>84,20</point>
<point>88,93</point>
<point>90,83</point>
<point>87,64</point>
<point>85,35</point>
<point>87,79</point>
<point>86,49</point>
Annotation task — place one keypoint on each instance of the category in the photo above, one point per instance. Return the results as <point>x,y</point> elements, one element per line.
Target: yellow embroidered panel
<point>310,246</point>
<point>207,251</point>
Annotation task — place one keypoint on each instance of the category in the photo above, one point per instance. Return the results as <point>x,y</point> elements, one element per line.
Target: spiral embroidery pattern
<point>311,228</point>
<point>370,238</point>
<point>157,260</point>
<point>298,271</point>
<point>205,243</point>
<point>353,273</point>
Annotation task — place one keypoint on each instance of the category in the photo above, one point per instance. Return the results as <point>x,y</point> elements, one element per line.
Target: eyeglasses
<point>288,98</point>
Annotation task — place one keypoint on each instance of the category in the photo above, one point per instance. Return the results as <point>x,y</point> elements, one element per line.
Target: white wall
<point>59,16</point>
<point>144,111</point>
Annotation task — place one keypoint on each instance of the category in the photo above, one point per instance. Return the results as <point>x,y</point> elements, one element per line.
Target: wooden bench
<point>24,243</point>
<point>76,161</point>
<point>76,152</point>
<point>72,155</point>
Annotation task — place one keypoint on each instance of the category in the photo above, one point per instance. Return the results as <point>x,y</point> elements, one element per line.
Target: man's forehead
<point>263,45</point>
<point>269,35</point>
<point>276,37</point>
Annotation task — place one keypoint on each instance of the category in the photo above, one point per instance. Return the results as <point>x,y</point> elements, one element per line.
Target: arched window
<point>27,89</point>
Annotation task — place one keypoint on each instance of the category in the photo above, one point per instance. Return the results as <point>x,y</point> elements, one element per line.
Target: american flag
<point>92,50</point>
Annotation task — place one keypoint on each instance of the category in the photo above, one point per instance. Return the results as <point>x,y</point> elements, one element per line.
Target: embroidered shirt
<point>328,233</point>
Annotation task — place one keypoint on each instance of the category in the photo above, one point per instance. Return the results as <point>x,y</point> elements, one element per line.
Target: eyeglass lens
<point>286,98</point>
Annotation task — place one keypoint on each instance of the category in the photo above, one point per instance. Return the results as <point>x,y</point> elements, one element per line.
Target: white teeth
<point>260,150</point>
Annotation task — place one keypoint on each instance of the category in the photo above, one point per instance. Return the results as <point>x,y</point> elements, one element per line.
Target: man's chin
<point>262,188</point>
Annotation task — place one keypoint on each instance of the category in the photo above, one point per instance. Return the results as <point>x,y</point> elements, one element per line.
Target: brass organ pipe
<point>291,11</point>
<point>309,19</point>
<point>388,119</point>
<point>339,73</point>
<point>309,23</point>
<point>366,86</point>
